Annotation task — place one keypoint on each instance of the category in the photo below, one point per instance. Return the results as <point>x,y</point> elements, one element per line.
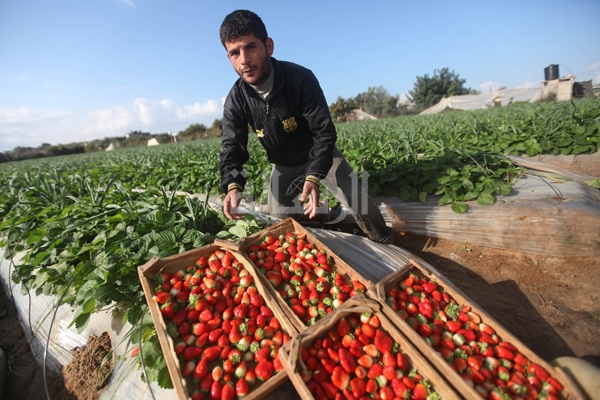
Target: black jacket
<point>293,125</point>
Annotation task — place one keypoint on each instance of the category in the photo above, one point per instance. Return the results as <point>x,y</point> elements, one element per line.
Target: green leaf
<point>238,231</point>
<point>485,199</point>
<point>423,197</point>
<point>459,207</point>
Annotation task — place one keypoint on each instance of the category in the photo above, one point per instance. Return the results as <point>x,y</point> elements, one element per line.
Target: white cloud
<point>593,68</point>
<point>24,126</point>
<point>110,121</point>
<point>187,113</point>
<point>489,86</point>
<point>129,3</point>
<point>529,85</point>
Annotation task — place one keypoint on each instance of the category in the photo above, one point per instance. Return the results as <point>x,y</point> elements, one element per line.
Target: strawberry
<point>419,392</point>
<point>401,391</point>
<point>538,371</point>
<point>556,384</point>
<point>161,297</point>
<point>227,392</point>
<point>342,327</point>
<point>382,341</point>
<point>241,388</point>
<point>505,353</point>
<point>340,378</point>
<point>329,390</point>
<point>264,370</point>
<point>191,352</point>
<point>216,390</point>
<point>371,386</point>
<point>346,360</point>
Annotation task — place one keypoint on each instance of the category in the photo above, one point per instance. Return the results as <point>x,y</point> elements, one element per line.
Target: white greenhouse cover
<point>563,88</point>
<point>486,100</point>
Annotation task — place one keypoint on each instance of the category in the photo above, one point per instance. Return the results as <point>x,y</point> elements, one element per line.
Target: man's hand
<point>311,193</point>
<point>231,203</point>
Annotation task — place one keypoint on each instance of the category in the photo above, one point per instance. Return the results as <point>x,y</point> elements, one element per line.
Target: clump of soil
<point>24,376</point>
<point>88,374</point>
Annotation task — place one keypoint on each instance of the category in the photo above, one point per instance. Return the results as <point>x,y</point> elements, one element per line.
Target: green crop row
<point>84,226</point>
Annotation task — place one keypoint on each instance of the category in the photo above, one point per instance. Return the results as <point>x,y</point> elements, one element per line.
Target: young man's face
<point>250,58</point>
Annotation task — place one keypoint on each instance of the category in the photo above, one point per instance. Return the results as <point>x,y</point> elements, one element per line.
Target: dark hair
<point>242,23</point>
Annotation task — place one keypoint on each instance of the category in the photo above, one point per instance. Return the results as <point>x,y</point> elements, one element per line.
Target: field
<point>86,222</point>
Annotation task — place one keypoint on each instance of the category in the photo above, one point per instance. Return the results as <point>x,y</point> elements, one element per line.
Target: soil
<point>88,374</point>
<point>549,303</point>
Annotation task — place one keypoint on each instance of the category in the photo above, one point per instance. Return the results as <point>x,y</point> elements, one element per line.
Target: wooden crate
<point>155,266</point>
<point>379,292</point>
<point>290,352</point>
<point>286,226</point>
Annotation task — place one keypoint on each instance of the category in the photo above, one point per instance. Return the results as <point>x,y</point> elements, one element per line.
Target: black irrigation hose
<point>142,355</point>
<point>59,304</point>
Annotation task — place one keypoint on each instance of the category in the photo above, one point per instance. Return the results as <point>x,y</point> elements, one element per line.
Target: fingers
<point>310,191</point>
<point>231,203</point>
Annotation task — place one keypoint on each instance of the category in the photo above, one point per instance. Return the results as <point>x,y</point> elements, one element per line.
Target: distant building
<point>137,134</point>
<point>153,142</point>
<point>110,147</point>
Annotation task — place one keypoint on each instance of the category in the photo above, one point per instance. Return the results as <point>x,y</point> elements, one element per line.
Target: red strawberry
<point>419,392</point>
<point>242,388</point>
<point>216,390</point>
<point>453,326</point>
<point>383,342</point>
<point>227,392</point>
<point>161,297</point>
<point>346,360</point>
<point>358,387</point>
<point>506,354</point>
<point>191,352</point>
<point>264,370</point>
<point>539,372</point>
<point>401,391</point>
<point>426,309</point>
<point>340,378</point>
<point>329,390</point>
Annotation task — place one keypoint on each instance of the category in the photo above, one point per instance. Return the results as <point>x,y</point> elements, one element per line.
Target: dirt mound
<point>88,374</point>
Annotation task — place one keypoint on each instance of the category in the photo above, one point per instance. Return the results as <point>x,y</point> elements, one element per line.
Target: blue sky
<point>77,70</point>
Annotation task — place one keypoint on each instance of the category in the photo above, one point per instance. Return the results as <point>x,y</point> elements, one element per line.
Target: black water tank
<point>551,72</point>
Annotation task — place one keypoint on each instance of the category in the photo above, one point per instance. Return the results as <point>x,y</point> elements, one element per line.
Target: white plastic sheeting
<point>373,261</point>
<point>502,97</point>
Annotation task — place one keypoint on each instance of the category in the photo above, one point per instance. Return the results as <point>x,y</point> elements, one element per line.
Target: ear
<point>270,46</point>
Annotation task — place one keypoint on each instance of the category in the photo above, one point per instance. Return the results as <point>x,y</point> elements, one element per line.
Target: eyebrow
<point>245,46</point>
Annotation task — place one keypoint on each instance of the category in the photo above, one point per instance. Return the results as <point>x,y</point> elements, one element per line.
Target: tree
<point>430,90</point>
<point>341,108</point>
<point>378,102</point>
<point>192,132</point>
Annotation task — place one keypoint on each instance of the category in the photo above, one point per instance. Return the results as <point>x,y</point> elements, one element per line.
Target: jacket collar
<point>278,81</point>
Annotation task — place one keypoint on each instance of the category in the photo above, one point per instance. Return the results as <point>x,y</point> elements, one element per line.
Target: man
<point>286,107</point>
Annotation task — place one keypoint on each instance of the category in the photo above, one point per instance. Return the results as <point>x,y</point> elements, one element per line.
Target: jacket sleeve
<point>234,143</point>
<point>316,111</point>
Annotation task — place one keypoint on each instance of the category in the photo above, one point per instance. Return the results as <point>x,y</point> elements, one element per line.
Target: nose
<point>244,57</point>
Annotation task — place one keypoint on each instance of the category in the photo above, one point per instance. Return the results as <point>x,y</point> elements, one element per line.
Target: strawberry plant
<point>358,359</point>
<point>305,277</point>
<point>493,366</point>
<point>225,335</point>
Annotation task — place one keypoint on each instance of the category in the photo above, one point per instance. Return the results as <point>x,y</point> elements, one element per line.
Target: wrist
<point>234,186</point>
<point>313,179</point>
